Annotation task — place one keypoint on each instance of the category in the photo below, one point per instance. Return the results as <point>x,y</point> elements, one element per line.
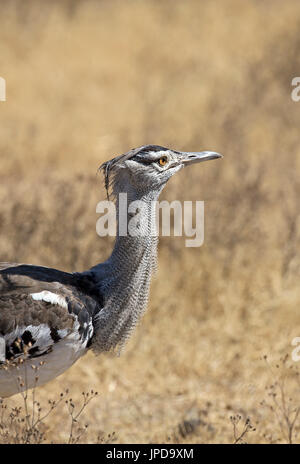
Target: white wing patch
<point>2,349</point>
<point>50,297</point>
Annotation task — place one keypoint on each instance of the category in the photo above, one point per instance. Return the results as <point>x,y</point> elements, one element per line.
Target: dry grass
<point>86,80</point>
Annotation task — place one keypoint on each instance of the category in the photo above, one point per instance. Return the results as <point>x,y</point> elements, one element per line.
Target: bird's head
<point>148,168</point>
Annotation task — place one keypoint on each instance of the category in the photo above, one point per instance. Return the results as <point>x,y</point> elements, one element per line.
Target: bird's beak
<point>198,157</point>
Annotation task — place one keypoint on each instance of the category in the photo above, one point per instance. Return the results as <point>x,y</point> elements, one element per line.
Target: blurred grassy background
<point>88,80</point>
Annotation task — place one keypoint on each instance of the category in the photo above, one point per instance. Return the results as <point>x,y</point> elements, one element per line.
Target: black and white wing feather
<point>40,308</point>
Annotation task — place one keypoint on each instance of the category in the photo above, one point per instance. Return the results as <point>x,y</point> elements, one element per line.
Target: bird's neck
<point>124,279</point>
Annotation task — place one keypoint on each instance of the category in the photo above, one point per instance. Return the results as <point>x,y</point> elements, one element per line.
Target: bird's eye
<point>163,161</point>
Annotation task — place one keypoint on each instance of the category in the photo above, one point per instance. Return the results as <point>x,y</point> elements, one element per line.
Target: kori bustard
<point>52,317</point>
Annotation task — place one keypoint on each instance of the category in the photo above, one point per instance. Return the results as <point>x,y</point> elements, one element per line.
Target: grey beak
<point>198,157</point>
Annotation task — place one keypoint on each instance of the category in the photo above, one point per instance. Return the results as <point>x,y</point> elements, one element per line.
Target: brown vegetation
<point>87,80</point>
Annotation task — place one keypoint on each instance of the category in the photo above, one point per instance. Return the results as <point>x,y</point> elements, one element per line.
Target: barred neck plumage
<point>124,279</point>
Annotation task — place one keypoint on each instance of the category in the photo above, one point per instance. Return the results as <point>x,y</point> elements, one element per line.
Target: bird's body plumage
<point>45,315</point>
<point>51,318</point>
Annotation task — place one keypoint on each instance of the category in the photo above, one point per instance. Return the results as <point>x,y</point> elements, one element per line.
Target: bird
<point>50,318</point>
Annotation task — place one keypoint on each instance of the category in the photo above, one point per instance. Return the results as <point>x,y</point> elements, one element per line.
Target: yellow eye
<point>163,161</point>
